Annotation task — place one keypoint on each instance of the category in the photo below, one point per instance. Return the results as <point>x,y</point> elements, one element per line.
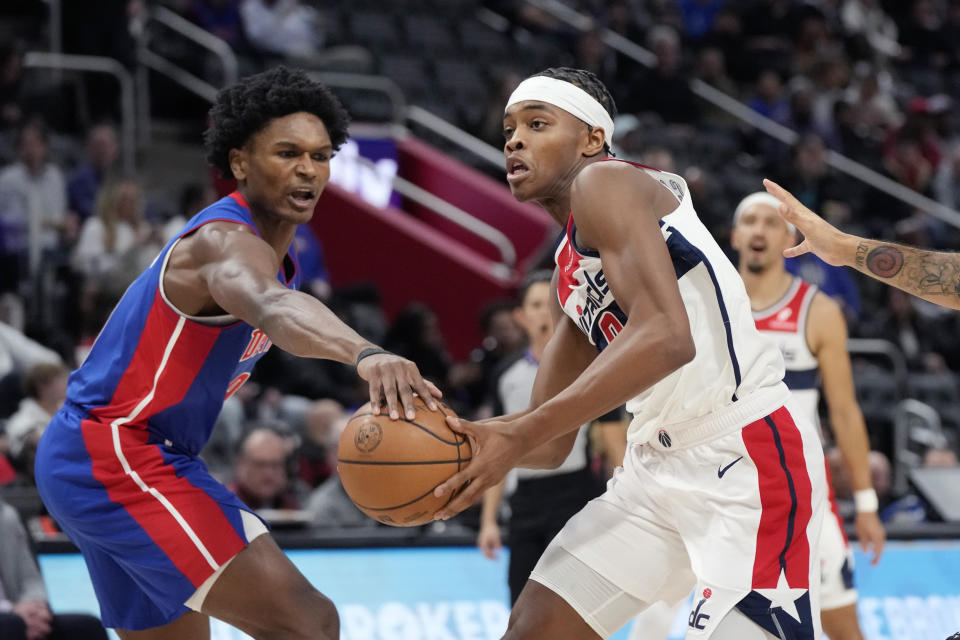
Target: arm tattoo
<point>885,261</point>
<point>932,273</point>
<point>862,249</point>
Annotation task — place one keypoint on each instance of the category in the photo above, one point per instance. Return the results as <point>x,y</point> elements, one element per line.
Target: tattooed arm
<point>931,275</point>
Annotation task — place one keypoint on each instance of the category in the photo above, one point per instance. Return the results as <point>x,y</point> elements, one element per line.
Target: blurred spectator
<point>24,610</point>
<point>33,207</point>
<point>920,337</point>
<point>282,27</point>
<point>905,162</point>
<point>872,98</point>
<point>866,20</point>
<point>313,269</point>
<point>698,16</point>
<point>86,179</point>
<point>712,69</point>
<point>594,55</point>
<point>11,86</point>
<point>221,18</point>
<point>664,89</point>
<point>801,118</point>
<point>194,197</point>
<point>116,236</point>
<point>925,50</point>
<point>415,335</point>
<point>260,472</point>
<point>18,355</point>
<point>946,183</point>
<point>769,100</point>
<point>328,504</point>
<point>46,388</point>
<point>316,457</point>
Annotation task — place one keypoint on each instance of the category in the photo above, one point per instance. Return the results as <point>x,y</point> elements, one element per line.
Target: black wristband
<point>369,351</point>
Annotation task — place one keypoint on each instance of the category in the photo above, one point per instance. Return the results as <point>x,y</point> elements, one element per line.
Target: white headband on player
<point>568,97</point>
<point>760,197</point>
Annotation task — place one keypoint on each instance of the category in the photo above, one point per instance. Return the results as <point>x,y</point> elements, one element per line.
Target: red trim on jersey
<point>636,164</point>
<point>240,199</point>
<point>778,318</point>
<point>569,262</point>
<point>781,507</point>
<point>832,497</point>
<point>198,509</point>
<point>182,367</point>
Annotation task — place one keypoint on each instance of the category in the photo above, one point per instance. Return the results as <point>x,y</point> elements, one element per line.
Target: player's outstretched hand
<point>819,236</point>
<point>393,378</point>
<point>870,533</point>
<point>495,450</point>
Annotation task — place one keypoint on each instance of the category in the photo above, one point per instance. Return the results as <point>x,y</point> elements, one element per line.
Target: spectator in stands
<point>712,69</point>
<point>260,471</point>
<point>33,206</point>
<point>11,86</point>
<point>24,611</point>
<point>283,27</point>
<point>490,128</point>
<point>415,335</point>
<point>925,50</point>
<point>86,179</point>
<point>18,354</point>
<point>221,18</point>
<point>194,197</point>
<point>866,20</point>
<point>665,89</point>
<point>116,237</point>
<point>769,100</point>
<point>594,55</point>
<point>313,268</point>
<point>918,335</point>
<point>698,16</point>
<point>46,388</point>
<point>316,457</point>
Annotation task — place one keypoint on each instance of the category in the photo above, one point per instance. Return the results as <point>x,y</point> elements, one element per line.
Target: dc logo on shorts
<point>664,438</point>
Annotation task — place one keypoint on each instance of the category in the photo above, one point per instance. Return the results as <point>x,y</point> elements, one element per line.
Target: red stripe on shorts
<point>198,510</point>
<point>776,448</point>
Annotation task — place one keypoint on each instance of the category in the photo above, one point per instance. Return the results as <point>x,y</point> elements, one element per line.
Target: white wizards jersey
<point>786,324</point>
<point>734,369</point>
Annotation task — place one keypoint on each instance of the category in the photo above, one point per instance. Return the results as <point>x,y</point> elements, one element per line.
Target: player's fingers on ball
<point>389,384</point>
<point>433,389</point>
<point>425,392</point>
<point>375,396</point>
<point>450,485</point>
<point>407,399</point>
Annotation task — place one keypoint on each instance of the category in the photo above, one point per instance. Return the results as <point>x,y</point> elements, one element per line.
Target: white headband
<point>568,97</point>
<point>760,197</point>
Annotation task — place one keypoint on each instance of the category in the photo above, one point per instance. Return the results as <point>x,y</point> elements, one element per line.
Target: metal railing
<point>378,84</point>
<point>98,64</point>
<point>744,113</point>
<point>886,350</point>
<point>918,422</point>
<point>456,135</point>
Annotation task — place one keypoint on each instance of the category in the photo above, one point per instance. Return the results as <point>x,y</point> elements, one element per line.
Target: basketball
<point>389,468</point>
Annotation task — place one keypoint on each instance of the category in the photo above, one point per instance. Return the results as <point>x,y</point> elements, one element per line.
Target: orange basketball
<point>390,468</point>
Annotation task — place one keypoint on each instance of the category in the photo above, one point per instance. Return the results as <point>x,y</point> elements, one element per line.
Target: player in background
<point>811,332</point>
<point>722,487</point>
<point>931,275</point>
<point>543,500</point>
<point>118,467</point>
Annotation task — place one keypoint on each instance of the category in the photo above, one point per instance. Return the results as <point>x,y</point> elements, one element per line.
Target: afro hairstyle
<point>248,106</point>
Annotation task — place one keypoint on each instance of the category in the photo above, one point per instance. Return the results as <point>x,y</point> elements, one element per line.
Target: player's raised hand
<point>495,451</point>
<point>870,533</point>
<point>819,236</point>
<point>392,379</point>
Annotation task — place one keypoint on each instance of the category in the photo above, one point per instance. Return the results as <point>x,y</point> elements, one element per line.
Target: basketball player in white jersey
<point>811,332</point>
<point>722,488</point>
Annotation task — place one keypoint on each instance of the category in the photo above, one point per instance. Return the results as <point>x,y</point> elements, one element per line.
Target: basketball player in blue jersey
<point>722,489</point>
<point>931,275</point>
<point>811,332</point>
<point>118,467</point>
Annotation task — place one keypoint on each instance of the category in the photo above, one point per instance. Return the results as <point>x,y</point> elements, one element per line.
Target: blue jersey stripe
<point>686,256</point>
<point>801,379</point>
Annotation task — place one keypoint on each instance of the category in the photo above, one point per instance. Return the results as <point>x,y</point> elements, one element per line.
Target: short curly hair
<point>248,106</point>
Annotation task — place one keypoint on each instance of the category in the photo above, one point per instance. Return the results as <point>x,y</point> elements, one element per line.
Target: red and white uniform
<point>722,487</point>
<point>786,324</point>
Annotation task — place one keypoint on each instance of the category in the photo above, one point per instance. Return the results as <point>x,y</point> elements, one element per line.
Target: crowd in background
<point>877,81</point>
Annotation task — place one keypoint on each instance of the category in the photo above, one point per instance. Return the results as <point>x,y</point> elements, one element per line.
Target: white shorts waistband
<point>689,433</point>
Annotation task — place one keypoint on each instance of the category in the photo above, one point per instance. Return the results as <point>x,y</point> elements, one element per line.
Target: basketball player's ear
<point>238,164</point>
<point>594,142</point>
